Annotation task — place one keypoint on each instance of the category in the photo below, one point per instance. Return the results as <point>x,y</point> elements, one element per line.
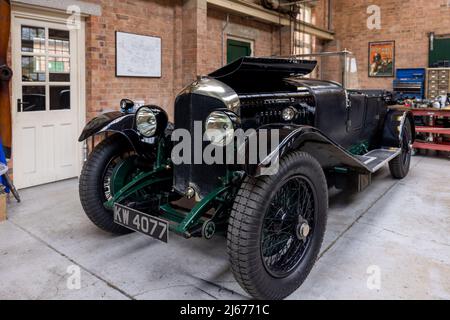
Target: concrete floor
<point>397,232</point>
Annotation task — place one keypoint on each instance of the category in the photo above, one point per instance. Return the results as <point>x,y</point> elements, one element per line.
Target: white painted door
<point>45,102</point>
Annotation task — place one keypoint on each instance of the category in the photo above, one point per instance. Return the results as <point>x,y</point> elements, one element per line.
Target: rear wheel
<point>399,166</point>
<point>95,181</point>
<point>277,226</point>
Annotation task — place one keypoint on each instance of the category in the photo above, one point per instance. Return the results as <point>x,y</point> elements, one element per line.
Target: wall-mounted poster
<point>137,55</point>
<point>381,59</point>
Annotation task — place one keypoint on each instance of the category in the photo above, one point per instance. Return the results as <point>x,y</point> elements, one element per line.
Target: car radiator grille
<point>258,110</point>
<point>190,108</point>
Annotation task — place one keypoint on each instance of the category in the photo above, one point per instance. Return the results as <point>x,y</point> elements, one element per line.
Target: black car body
<point>328,136</point>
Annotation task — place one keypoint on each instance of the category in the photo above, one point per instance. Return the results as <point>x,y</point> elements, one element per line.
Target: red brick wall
<point>406,22</point>
<point>157,18</point>
<point>320,14</point>
<point>191,45</point>
<point>265,37</point>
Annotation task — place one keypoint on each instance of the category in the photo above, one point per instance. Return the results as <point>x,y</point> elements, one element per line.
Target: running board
<point>372,162</point>
<point>377,158</point>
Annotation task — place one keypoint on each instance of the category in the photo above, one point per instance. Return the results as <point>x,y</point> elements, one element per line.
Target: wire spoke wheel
<point>276,227</point>
<point>288,226</point>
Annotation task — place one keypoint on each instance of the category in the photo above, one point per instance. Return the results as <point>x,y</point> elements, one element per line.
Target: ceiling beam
<point>257,12</point>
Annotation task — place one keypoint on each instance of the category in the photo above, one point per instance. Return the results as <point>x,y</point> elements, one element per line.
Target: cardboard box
<point>2,207</point>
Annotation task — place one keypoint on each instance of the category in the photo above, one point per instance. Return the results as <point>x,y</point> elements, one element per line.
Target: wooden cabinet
<point>438,82</point>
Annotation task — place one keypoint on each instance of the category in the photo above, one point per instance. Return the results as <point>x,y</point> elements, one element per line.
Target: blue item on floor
<point>3,160</point>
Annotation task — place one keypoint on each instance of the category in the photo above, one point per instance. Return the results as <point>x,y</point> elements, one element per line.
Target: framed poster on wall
<point>381,59</point>
<point>137,55</point>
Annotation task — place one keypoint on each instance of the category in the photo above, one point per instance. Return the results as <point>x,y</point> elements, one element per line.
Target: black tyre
<point>399,166</point>
<point>276,227</point>
<point>94,185</point>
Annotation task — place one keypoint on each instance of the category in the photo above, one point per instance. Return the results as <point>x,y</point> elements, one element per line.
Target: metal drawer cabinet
<point>437,82</point>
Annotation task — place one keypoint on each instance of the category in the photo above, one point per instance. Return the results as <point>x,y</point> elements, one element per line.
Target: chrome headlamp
<point>146,122</point>
<point>219,128</point>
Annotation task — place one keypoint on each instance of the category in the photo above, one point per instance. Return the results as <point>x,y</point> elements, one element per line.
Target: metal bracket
<point>193,217</point>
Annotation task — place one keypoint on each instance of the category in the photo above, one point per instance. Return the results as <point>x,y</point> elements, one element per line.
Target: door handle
<point>20,104</point>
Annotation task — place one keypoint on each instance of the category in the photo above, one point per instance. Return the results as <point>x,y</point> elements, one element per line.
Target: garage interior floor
<point>399,230</point>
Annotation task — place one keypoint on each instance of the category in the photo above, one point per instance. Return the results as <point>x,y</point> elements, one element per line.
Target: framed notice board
<point>138,55</point>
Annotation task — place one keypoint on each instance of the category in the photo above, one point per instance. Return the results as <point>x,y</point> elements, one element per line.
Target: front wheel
<point>276,227</point>
<point>95,182</point>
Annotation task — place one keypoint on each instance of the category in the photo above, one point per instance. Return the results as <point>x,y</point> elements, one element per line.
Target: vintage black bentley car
<point>274,220</point>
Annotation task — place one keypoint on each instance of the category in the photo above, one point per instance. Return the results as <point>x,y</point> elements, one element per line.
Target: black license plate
<point>141,222</point>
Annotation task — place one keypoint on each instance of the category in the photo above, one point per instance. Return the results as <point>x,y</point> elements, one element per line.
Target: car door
<point>356,114</point>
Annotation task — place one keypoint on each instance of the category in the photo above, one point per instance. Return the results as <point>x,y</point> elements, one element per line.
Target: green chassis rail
<point>181,222</point>
<point>185,223</point>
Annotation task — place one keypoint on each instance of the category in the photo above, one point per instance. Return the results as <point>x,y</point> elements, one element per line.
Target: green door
<point>237,49</point>
<point>441,51</point>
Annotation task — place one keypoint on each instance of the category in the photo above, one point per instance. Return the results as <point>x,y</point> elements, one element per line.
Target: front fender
<point>303,138</point>
<point>115,122</point>
<point>109,121</point>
